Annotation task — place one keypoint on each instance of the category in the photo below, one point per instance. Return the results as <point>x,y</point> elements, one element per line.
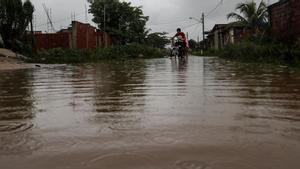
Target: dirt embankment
<point>10,60</point>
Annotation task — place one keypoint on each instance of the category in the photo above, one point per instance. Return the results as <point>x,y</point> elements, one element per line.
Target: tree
<point>157,40</point>
<point>120,19</point>
<point>255,19</point>
<point>28,11</point>
<point>192,44</point>
<point>14,19</point>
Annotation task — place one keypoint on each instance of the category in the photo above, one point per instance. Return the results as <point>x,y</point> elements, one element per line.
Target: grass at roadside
<point>59,55</point>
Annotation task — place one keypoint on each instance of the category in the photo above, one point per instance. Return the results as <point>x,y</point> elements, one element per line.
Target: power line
<point>195,29</point>
<point>214,9</point>
<point>168,23</point>
<point>185,27</point>
<point>188,26</point>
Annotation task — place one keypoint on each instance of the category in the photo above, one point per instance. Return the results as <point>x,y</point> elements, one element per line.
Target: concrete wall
<point>285,20</point>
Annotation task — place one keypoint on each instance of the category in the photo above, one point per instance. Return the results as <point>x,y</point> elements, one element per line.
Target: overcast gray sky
<point>165,15</point>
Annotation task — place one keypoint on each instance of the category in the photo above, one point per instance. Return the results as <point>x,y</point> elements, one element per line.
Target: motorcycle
<point>178,48</point>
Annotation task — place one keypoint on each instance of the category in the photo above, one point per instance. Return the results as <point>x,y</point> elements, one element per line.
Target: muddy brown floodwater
<point>203,113</point>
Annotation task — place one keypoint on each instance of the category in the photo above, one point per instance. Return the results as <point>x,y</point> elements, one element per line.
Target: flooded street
<point>203,113</point>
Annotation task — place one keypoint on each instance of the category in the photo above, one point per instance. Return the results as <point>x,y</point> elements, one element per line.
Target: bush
<point>59,55</point>
<point>252,51</point>
<point>209,52</point>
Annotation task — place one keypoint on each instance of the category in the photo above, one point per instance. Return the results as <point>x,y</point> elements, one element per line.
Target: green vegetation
<point>263,52</point>
<point>92,55</point>
<point>192,44</point>
<point>121,20</point>
<point>157,40</point>
<point>258,46</point>
<point>196,49</point>
<point>15,17</point>
<point>126,23</point>
<point>254,18</point>
<point>205,53</point>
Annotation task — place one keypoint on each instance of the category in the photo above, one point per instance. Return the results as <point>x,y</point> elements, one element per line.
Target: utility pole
<point>187,36</point>
<point>203,31</point>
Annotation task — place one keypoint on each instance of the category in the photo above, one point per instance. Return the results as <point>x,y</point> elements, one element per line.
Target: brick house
<point>285,20</point>
<point>78,36</point>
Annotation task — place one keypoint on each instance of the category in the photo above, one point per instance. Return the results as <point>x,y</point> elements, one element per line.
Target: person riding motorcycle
<point>181,36</point>
<point>181,41</point>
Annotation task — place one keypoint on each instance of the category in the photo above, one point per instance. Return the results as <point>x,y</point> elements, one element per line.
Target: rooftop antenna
<point>50,26</point>
<point>73,16</point>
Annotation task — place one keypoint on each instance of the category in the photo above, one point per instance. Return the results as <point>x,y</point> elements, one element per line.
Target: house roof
<point>224,27</point>
<point>218,26</point>
<point>278,3</point>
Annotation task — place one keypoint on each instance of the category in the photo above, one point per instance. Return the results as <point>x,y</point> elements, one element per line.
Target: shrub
<point>209,52</point>
<point>59,55</point>
<point>252,51</point>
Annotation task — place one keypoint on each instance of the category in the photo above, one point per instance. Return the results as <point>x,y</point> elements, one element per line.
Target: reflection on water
<point>16,100</point>
<point>16,110</point>
<point>115,106</point>
<point>118,103</point>
<point>267,92</point>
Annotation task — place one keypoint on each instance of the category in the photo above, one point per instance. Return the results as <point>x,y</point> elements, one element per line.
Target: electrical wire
<point>168,23</point>
<point>195,29</point>
<point>215,8</point>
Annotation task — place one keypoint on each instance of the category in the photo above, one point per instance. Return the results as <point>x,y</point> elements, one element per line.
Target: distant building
<point>285,20</point>
<point>224,34</point>
<point>78,36</point>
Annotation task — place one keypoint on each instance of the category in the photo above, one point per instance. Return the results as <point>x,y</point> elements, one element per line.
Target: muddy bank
<point>10,60</point>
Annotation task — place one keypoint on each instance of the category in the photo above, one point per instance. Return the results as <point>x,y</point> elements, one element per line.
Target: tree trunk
<point>33,47</point>
<point>7,41</point>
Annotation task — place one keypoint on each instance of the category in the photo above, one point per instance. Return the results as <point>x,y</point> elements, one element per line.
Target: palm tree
<point>253,18</point>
